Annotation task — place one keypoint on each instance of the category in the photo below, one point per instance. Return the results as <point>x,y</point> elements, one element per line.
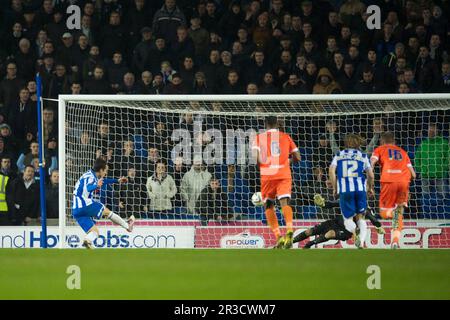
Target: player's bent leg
<point>303,235</point>
<point>115,218</point>
<point>330,234</point>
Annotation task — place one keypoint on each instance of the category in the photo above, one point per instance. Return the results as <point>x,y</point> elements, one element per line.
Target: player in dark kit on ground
<point>332,229</point>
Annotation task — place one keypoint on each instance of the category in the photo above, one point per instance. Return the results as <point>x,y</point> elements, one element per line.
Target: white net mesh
<point>188,162</point>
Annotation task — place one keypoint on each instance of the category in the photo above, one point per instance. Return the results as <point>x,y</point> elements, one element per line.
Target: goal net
<point>191,176</point>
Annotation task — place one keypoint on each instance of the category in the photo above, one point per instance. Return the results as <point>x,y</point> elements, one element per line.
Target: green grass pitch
<point>224,274</point>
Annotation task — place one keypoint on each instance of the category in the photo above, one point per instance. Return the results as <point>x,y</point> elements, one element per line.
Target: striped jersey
<point>84,190</point>
<point>351,165</point>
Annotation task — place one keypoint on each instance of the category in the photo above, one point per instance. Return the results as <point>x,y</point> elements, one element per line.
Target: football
<point>257,199</point>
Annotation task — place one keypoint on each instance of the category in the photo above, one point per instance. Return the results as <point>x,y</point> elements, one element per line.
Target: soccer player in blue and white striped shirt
<point>85,208</point>
<point>352,177</point>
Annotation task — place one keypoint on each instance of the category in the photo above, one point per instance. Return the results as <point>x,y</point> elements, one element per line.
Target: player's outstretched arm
<point>110,180</point>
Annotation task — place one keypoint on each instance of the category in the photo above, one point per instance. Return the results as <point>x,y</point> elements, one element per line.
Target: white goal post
<point>125,129</point>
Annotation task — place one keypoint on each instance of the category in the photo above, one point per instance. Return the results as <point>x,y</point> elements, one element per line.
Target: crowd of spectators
<point>200,47</point>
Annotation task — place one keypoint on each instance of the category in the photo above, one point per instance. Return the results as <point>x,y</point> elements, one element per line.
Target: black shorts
<point>334,224</point>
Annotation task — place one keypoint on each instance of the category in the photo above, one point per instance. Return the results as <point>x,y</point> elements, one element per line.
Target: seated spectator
<point>200,86</point>
<point>325,83</point>
<point>368,84</point>
<point>294,85</point>
<point>193,182</point>
<point>403,88</point>
<point>268,85</point>
<point>98,84</point>
<point>129,85</point>
<point>233,85</point>
<point>347,80</point>
<point>175,86</point>
<point>25,159</point>
<point>252,88</point>
<point>187,73</point>
<point>410,80</point>
<point>75,88</point>
<point>161,189</point>
<point>158,83</point>
<point>23,202</point>
<point>167,72</point>
<point>52,196</point>
<point>145,84</point>
<point>212,203</point>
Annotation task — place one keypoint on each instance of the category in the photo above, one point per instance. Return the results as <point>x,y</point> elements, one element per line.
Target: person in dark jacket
<point>6,167</point>
<point>22,115</point>
<point>133,197</point>
<point>233,85</point>
<point>52,195</point>
<point>212,204</point>
<point>368,84</point>
<point>200,86</point>
<point>294,85</point>
<point>10,85</point>
<point>167,19</point>
<point>176,86</point>
<point>98,85</point>
<point>181,48</point>
<point>23,201</point>
<point>142,50</point>
<point>426,70</point>
<point>442,83</point>
<point>116,69</point>
<point>113,36</point>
